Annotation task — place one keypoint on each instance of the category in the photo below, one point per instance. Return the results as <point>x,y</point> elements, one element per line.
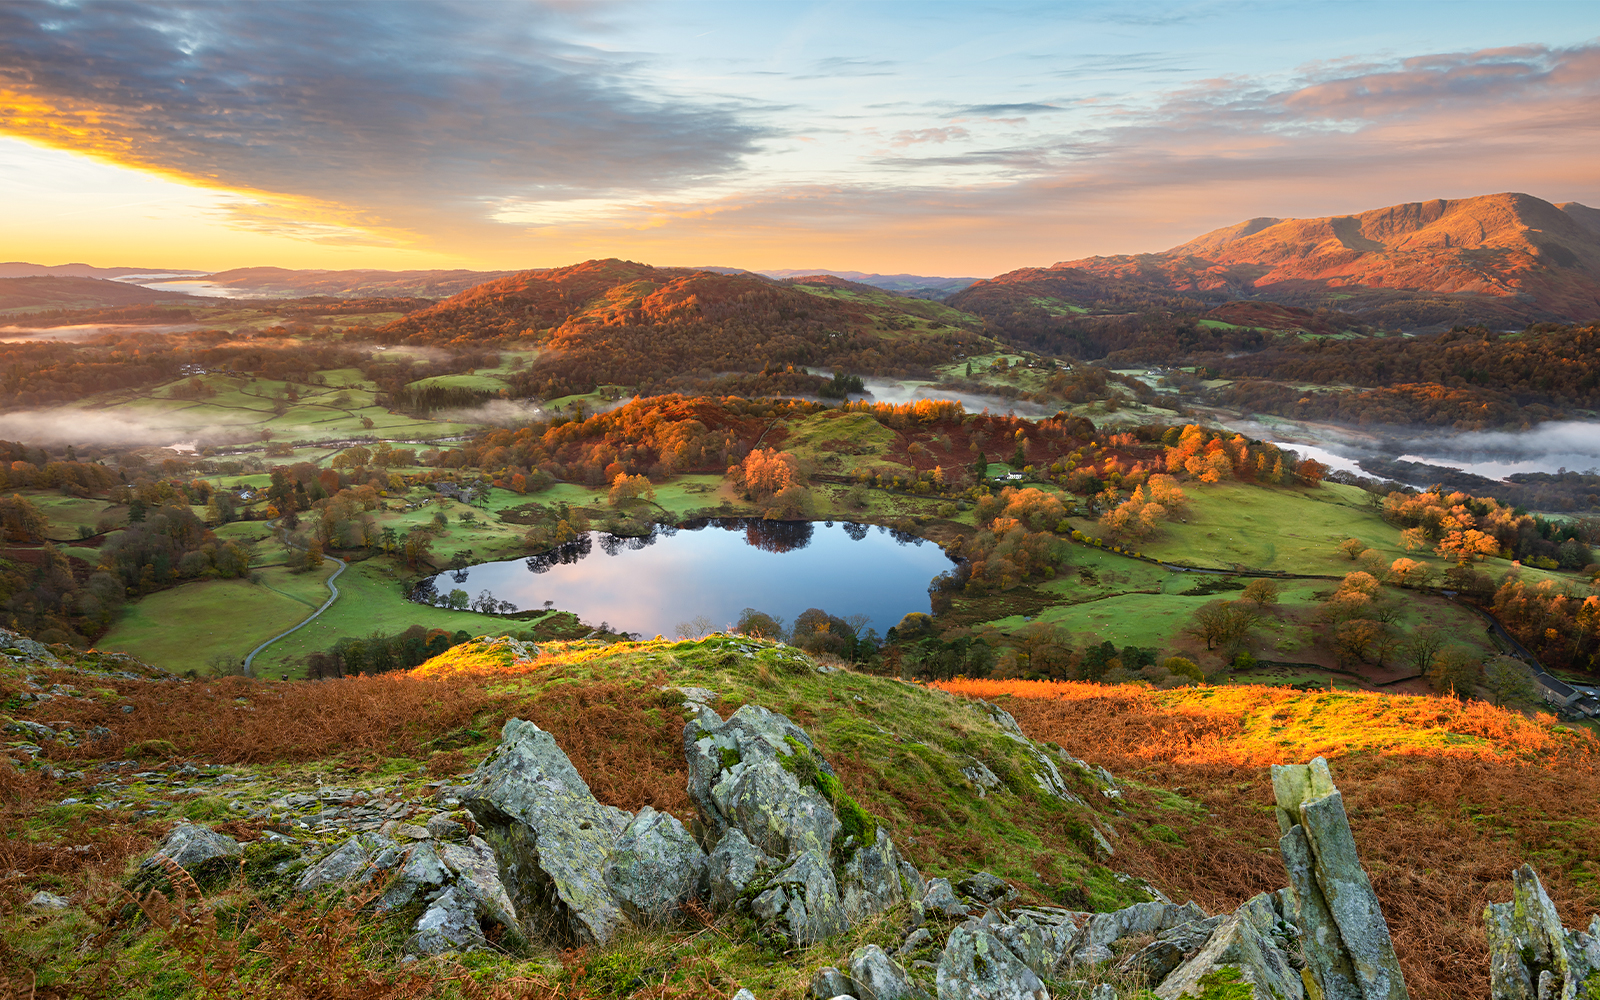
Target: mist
<point>884,390</point>
<point>87,331</point>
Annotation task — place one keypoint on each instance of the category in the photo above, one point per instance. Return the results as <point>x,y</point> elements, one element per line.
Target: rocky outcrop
<point>1257,940</point>
<point>977,965</point>
<point>1531,955</point>
<point>198,850</point>
<point>552,838</point>
<point>1347,942</point>
<point>782,827</point>
<point>656,867</point>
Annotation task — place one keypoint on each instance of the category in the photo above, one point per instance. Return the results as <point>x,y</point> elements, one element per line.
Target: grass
<point>183,628</point>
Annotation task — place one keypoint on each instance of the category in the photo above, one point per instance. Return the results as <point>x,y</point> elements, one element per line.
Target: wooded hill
<point>613,321</point>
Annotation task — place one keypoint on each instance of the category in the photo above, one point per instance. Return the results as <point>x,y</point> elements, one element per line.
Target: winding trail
<point>332,596</point>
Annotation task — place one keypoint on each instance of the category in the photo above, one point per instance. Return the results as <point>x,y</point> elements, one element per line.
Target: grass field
<point>369,601</point>
<point>185,627</point>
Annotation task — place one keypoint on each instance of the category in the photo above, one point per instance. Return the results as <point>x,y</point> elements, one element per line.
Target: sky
<point>934,138</point>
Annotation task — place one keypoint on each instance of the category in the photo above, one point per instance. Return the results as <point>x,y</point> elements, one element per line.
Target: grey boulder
<point>734,864</point>
<point>802,903</point>
<point>976,965</point>
<point>656,867</point>
<point>875,976</point>
<point>552,839</point>
<point>196,849</point>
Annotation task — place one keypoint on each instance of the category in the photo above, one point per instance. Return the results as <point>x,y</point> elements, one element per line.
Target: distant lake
<point>715,568</point>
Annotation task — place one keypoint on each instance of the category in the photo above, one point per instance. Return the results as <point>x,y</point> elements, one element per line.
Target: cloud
<point>366,121</point>
<point>995,110</point>
<point>913,137</point>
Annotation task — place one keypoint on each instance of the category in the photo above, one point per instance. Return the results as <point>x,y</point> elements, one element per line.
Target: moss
<point>730,757</point>
<point>262,860</point>
<point>205,809</point>
<point>157,749</point>
<point>1223,983</point>
<point>1162,833</point>
<point>854,821</point>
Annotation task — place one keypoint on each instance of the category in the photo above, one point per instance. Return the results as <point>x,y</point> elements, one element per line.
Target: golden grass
<point>1445,797</point>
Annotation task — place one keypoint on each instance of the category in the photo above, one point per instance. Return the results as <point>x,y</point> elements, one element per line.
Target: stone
<point>421,871</point>
<point>1171,948</point>
<point>870,880</point>
<point>828,982</point>
<point>1029,942</point>
<point>1531,955</point>
<point>551,837</point>
<point>656,867</point>
<point>986,888</point>
<point>344,864</point>
<point>1237,943</point>
<point>976,965</point>
<point>916,939</point>
<point>744,994</point>
<point>983,779</point>
<point>877,977</point>
<point>1347,944</point>
<point>916,885</point>
<point>802,903</point>
<point>48,901</point>
<point>942,898</point>
<point>475,900</point>
<point>411,831</point>
<point>37,730</point>
<point>733,866</point>
<point>198,850</point>
<point>442,827</point>
<point>740,777</point>
<point>1093,943</point>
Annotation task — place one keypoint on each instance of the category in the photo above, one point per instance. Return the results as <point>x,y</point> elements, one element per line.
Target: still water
<point>716,569</point>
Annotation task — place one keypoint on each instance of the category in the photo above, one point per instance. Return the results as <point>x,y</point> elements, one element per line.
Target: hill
<point>619,322</point>
<point>49,292</point>
<point>278,282</point>
<point>921,286</point>
<point>1497,259</point>
<point>1092,797</point>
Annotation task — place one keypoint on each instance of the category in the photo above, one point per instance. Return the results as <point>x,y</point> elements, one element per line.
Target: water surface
<point>716,569</point>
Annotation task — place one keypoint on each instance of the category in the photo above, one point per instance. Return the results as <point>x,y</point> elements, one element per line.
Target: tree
<point>313,555</point>
<point>980,467</point>
<point>625,487</point>
<point>1509,680</point>
<point>1352,548</point>
<point>1261,593</point>
<point>1422,646</point>
<point>759,625</point>
<point>1221,623</point>
<point>1456,669</point>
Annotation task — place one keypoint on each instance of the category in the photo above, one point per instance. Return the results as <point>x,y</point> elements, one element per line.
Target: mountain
<point>1498,259</point>
<point>278,282</point>
<point>915,285</point>
<point>23,269</point>
<point>620,322</point>
<point>36,293</point>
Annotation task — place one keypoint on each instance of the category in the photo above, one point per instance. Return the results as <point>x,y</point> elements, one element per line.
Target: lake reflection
<point>713,568</point>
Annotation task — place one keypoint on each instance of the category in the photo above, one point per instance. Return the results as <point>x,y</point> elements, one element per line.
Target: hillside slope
<point>619,322</point>
<point>37,293</point>
<point>1499,258</point>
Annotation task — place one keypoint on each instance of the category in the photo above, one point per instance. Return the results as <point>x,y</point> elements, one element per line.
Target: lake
<point>715,569</point>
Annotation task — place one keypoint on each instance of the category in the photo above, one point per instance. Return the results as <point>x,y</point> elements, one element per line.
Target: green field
<point>185,627</point>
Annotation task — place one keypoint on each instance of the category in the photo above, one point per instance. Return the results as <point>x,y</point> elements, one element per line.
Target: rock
<point>983,779</point>
<point>197,849</point>
<point>1104,991</point>
<point>870,880</point>
<point>742,774</point>
<point>421,871</point>
<point>802,903</point>
<point>48,901</point>
<point>1531,955</point>
<point>976,965</point>
<point>476,902</point>
<point>916,939</point>
<point>344,864</point>
<point>744,994</point>
<point>876,976</point>
<point>1239,944</point>
<point>828,982</point>
<point>411,831</point>
<point>1347,944</point>
<point>442,827</point>
<point>734,864</point>
<point>551,837</point>
<point>916,885</point>
<point>1029,942</point>
<point>656,867</point>
<point>941,898</point>
<point>37,730</point>
<point>1171,948</point>
<point>986,888</point>
<point>1093,943</point>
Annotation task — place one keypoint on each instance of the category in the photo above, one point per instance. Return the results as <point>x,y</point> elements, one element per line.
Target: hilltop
<point>33,294</point>
<point>615,321</point>
<point>1495,258</point>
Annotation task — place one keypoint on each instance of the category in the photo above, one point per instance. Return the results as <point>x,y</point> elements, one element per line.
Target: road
<point>332,596</point>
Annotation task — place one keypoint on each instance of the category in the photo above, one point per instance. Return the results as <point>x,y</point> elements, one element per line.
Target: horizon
<point>928,141</point>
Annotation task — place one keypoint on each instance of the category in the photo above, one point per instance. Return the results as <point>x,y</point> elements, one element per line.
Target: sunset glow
<point>938,139</point>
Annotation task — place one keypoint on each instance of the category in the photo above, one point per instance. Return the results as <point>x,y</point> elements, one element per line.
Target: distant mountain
<point>22,269</point>
<point>278,282</point>
<point>1498,259</point>
<point>915,285</point>
<point>624,323</point>
<point>39,293</point>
